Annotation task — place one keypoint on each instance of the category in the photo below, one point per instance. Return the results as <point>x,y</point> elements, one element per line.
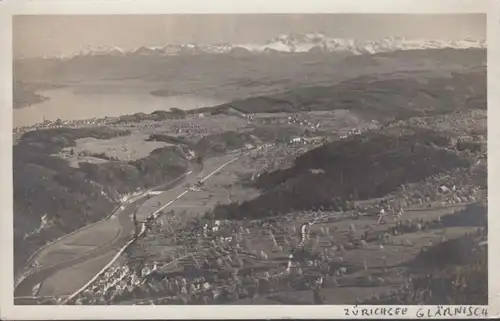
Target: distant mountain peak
<point>286,43</point>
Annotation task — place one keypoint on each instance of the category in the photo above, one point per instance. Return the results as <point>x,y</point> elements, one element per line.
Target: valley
<point>382,157</point>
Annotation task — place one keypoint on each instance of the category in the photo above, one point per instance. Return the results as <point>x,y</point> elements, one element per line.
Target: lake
<point>84,102</point>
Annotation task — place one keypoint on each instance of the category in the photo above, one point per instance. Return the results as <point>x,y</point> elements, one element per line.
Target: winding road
<point>93,245</point>
<point>69,263</point>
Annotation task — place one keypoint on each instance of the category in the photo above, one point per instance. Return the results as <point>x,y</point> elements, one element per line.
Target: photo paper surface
<point>197,160</point>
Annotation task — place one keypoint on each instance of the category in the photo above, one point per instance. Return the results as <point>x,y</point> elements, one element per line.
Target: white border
<point>254,6</point>
<point>8,8</point>
<point>493,38</point>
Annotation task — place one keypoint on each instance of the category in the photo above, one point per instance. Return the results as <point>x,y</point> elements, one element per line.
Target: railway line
<point>125,226</point>
<point>153,216</point>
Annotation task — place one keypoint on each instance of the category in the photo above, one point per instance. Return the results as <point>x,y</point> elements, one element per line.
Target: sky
<point>38,35</point>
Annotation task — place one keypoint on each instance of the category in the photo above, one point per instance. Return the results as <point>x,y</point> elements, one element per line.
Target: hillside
<point>24,96</point>
<point>248,76</point>
<point>379,97</point>
<point>432,125</point>
<point>362,167</point>
<point>47,189</point>
<point>314,136</point>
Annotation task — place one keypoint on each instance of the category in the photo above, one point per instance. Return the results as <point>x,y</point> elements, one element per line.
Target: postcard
<point>230,160</point>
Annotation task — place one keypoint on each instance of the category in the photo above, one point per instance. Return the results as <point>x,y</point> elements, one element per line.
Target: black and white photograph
<point>250,159</point>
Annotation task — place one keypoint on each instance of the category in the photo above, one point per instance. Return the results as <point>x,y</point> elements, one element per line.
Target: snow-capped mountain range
<point>314,42</point>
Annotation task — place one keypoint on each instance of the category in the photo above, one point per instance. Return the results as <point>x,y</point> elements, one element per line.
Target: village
<point>191,258</point>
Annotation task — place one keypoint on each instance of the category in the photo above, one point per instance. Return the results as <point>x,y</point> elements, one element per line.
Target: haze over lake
<point>84,102</point>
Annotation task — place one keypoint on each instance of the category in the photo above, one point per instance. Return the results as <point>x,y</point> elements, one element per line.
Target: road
<point>63,274</point>
<point>211,167</point>
<point>69,252</point>
<point>67,276</point>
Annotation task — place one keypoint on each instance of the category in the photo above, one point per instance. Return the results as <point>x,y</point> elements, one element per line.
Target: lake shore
<point>85,102</point>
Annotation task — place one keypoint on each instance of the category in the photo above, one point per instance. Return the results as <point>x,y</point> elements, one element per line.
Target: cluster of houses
<point>352,132</point>
<point>189,128</point>
<point>289,120</point>
<point>204,280</point>
<point>308,140</point>
<point>59,123</point>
